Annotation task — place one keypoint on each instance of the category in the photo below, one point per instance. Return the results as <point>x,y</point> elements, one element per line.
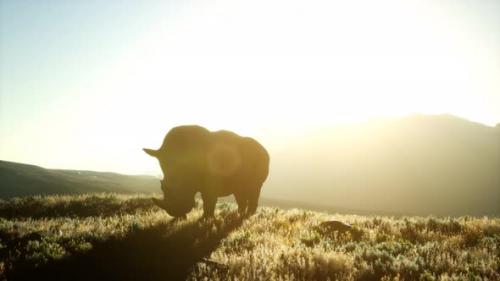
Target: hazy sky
<point>87,84</point>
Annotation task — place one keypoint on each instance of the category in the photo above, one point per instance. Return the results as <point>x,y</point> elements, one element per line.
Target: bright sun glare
<point>259,67</point>
<point>233,64</point>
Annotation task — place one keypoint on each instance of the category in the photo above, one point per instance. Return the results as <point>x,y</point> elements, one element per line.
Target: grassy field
<point>125,237</point>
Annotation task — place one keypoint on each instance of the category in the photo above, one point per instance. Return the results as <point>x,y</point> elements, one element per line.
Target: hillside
<point>421,164</point>
<point>124,237</point>
<point>19,179</point>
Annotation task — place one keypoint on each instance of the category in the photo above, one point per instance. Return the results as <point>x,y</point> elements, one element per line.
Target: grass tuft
<point>125,237</point>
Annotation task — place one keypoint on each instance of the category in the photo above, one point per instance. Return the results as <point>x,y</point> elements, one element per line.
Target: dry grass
<point>273,244</point>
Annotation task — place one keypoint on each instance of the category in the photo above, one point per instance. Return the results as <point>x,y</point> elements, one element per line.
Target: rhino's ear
<point>152,152</point>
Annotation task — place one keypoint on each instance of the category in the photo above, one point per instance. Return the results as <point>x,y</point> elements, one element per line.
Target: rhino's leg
<point>209,202</point>
<point>253,200</point>
<point>242,202</point>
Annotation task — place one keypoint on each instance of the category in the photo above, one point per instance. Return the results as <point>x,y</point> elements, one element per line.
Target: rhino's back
<point>184,139</point>
<point>237,161</point>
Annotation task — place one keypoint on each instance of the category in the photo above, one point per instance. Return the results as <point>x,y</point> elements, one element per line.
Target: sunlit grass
<point>274,244</point>
<point>289,245</point>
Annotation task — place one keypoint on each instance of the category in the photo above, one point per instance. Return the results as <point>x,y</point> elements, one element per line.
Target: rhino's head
<point>182,161</point>
<point>178,198</point>
<point>177,185</point>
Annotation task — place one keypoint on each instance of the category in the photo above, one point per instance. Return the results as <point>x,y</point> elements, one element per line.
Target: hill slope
<point>19,179</point>
<point>440,165</point>
<point>419,165</point>
<point>126,238</point>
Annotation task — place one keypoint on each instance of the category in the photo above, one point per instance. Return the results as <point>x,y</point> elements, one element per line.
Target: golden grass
<point>274,244</point>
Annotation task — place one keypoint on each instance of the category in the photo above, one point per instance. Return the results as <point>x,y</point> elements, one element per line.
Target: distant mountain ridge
<point>18,179</point>
<point>418,165</point>
<point>421,164</point>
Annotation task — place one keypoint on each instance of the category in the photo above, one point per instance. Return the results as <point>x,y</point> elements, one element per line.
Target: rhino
<point>215,164</point>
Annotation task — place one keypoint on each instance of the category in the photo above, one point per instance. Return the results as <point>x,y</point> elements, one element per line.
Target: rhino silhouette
<point>215,164</point>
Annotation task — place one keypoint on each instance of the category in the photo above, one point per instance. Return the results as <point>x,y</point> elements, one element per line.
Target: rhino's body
<point>215,164</point>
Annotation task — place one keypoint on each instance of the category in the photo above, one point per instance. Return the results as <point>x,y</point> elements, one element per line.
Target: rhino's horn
<point>152,152</point>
